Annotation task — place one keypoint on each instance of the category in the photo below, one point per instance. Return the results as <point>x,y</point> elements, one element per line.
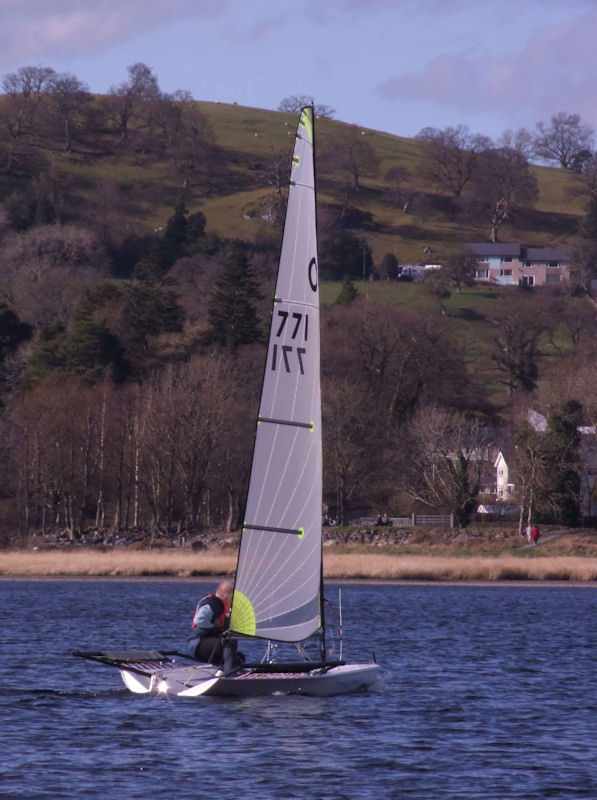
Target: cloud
<point>554,71</point>
<point>425,7</point>
<point>40,29</point>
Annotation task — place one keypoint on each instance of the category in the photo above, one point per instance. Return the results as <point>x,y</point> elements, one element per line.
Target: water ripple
<point>487,694</point>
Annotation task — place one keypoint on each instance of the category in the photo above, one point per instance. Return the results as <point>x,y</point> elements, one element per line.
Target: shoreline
<point>529,583</point>
<point>353,566</point>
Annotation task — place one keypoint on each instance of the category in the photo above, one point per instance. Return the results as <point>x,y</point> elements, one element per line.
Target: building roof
<point>517,250</point>
<point>494,248</point>
<point>547,254</point>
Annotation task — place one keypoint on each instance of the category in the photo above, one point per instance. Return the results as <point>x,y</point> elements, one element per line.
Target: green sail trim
<point>242,616</point>
<point>306,122</point>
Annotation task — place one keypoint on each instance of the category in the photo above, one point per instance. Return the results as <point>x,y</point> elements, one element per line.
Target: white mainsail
<point>277,586</point>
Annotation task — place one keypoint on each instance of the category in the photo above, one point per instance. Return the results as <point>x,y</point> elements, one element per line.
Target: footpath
<point>548,537</point>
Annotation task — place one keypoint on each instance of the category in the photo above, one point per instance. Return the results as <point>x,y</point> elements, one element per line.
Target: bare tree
<point>584,257</point>
<point>563,139</point>
<point>238,399</point>
<point>57,457</point>
<point>356,443</point>
<point>502,182</point>
<point>127,97</point>
<point>446,461</point>
<point>530,470</point>
<point>68,97</point>
<point>402,358</point>
<point>352,156</point>
<point>186,135</point>
<point>459,269</point>
<point>521,141</point>
<point>293,105</point>
<point>450,156</point>
<point>25,91</point>
<point>588,180</point>
<point>49,268</point>
<point>516,350</point>
<point>402,190</point>
<point>274,173</point>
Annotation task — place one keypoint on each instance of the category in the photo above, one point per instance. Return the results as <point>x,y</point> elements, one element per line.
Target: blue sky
<point>391,65</point>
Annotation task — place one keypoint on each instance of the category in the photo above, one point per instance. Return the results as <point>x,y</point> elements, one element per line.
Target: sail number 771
<point>289,356</point>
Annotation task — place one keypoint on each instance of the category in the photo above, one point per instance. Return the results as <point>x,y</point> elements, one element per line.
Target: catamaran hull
<point>202,682</point>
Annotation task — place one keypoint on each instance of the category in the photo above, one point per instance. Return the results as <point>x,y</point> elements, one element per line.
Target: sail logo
<point>312,274</point>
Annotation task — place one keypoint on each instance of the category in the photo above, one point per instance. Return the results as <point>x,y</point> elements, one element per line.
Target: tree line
<point>130,361</point>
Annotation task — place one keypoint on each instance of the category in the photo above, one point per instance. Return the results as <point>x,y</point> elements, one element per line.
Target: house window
<point>528,280</point>
<point>500,471</point>
<point>527,264</point>
<point>481,273</point>
<point>505,272</point>
<point>507,259</point>
<point>553,263</point>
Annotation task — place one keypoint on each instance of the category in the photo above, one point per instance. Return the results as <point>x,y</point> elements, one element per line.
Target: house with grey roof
<point>515,264</point>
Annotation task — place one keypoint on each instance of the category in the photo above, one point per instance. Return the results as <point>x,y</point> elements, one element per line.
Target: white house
<point>504,488</point>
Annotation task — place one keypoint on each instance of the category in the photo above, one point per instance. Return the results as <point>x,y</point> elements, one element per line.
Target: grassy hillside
<point>256,133</point>
<point>231,186</point>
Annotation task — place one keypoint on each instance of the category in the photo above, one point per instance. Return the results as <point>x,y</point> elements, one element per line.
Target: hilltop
<point>244,158</point>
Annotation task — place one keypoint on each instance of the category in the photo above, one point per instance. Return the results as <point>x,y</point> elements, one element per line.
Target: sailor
<point>209,640</point>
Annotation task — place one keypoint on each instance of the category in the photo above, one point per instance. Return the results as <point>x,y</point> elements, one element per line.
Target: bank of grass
<point>116,563</point>
<point>463,568</point>
<point>351,563</point>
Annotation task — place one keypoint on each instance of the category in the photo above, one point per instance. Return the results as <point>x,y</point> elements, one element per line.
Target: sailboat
<point>278,588</point>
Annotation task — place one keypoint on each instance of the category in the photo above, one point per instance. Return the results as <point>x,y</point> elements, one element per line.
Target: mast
<point>321,583</point>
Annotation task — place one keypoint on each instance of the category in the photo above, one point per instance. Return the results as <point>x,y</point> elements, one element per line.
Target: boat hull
<point>201,681</point>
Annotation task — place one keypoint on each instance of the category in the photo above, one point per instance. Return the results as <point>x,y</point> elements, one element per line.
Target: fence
<point>443,520</point>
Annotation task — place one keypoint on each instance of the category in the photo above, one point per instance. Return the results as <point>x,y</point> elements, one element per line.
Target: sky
<point>392,65</point>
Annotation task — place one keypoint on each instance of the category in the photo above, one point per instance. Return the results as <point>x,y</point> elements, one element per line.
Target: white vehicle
<point>413,271</point>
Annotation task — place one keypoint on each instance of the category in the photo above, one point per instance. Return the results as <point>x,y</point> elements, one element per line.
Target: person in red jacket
<point>209,640</point>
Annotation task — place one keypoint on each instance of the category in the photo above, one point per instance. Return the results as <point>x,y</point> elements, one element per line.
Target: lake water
<point>488,692</point>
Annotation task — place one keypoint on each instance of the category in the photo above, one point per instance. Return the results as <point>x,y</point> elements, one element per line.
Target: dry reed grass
<point>472,568</point>
<point>179,564</point>
<point>125,563</point>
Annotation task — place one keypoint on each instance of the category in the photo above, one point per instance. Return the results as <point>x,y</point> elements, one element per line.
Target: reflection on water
<point>488,692</point>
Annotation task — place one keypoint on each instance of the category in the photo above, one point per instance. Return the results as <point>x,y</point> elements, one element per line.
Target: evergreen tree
<point>389,267</point>
<point>47,354</point>
<point>195,231</point>
<point>184,235</point>
<point>90,349</point>
<point>348,294</point>
<point>342,255</point>
<point>560,495</point>
<point>12,331</point>
<point>584,252</point>
<point>175,235</point>
<point>151,310</point>
<point>232,311</point>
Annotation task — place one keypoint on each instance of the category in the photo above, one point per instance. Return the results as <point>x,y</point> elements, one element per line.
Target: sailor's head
<point>225,591</point>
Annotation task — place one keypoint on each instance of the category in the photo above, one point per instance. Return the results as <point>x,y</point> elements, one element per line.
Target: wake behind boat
<point>278,589</point>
